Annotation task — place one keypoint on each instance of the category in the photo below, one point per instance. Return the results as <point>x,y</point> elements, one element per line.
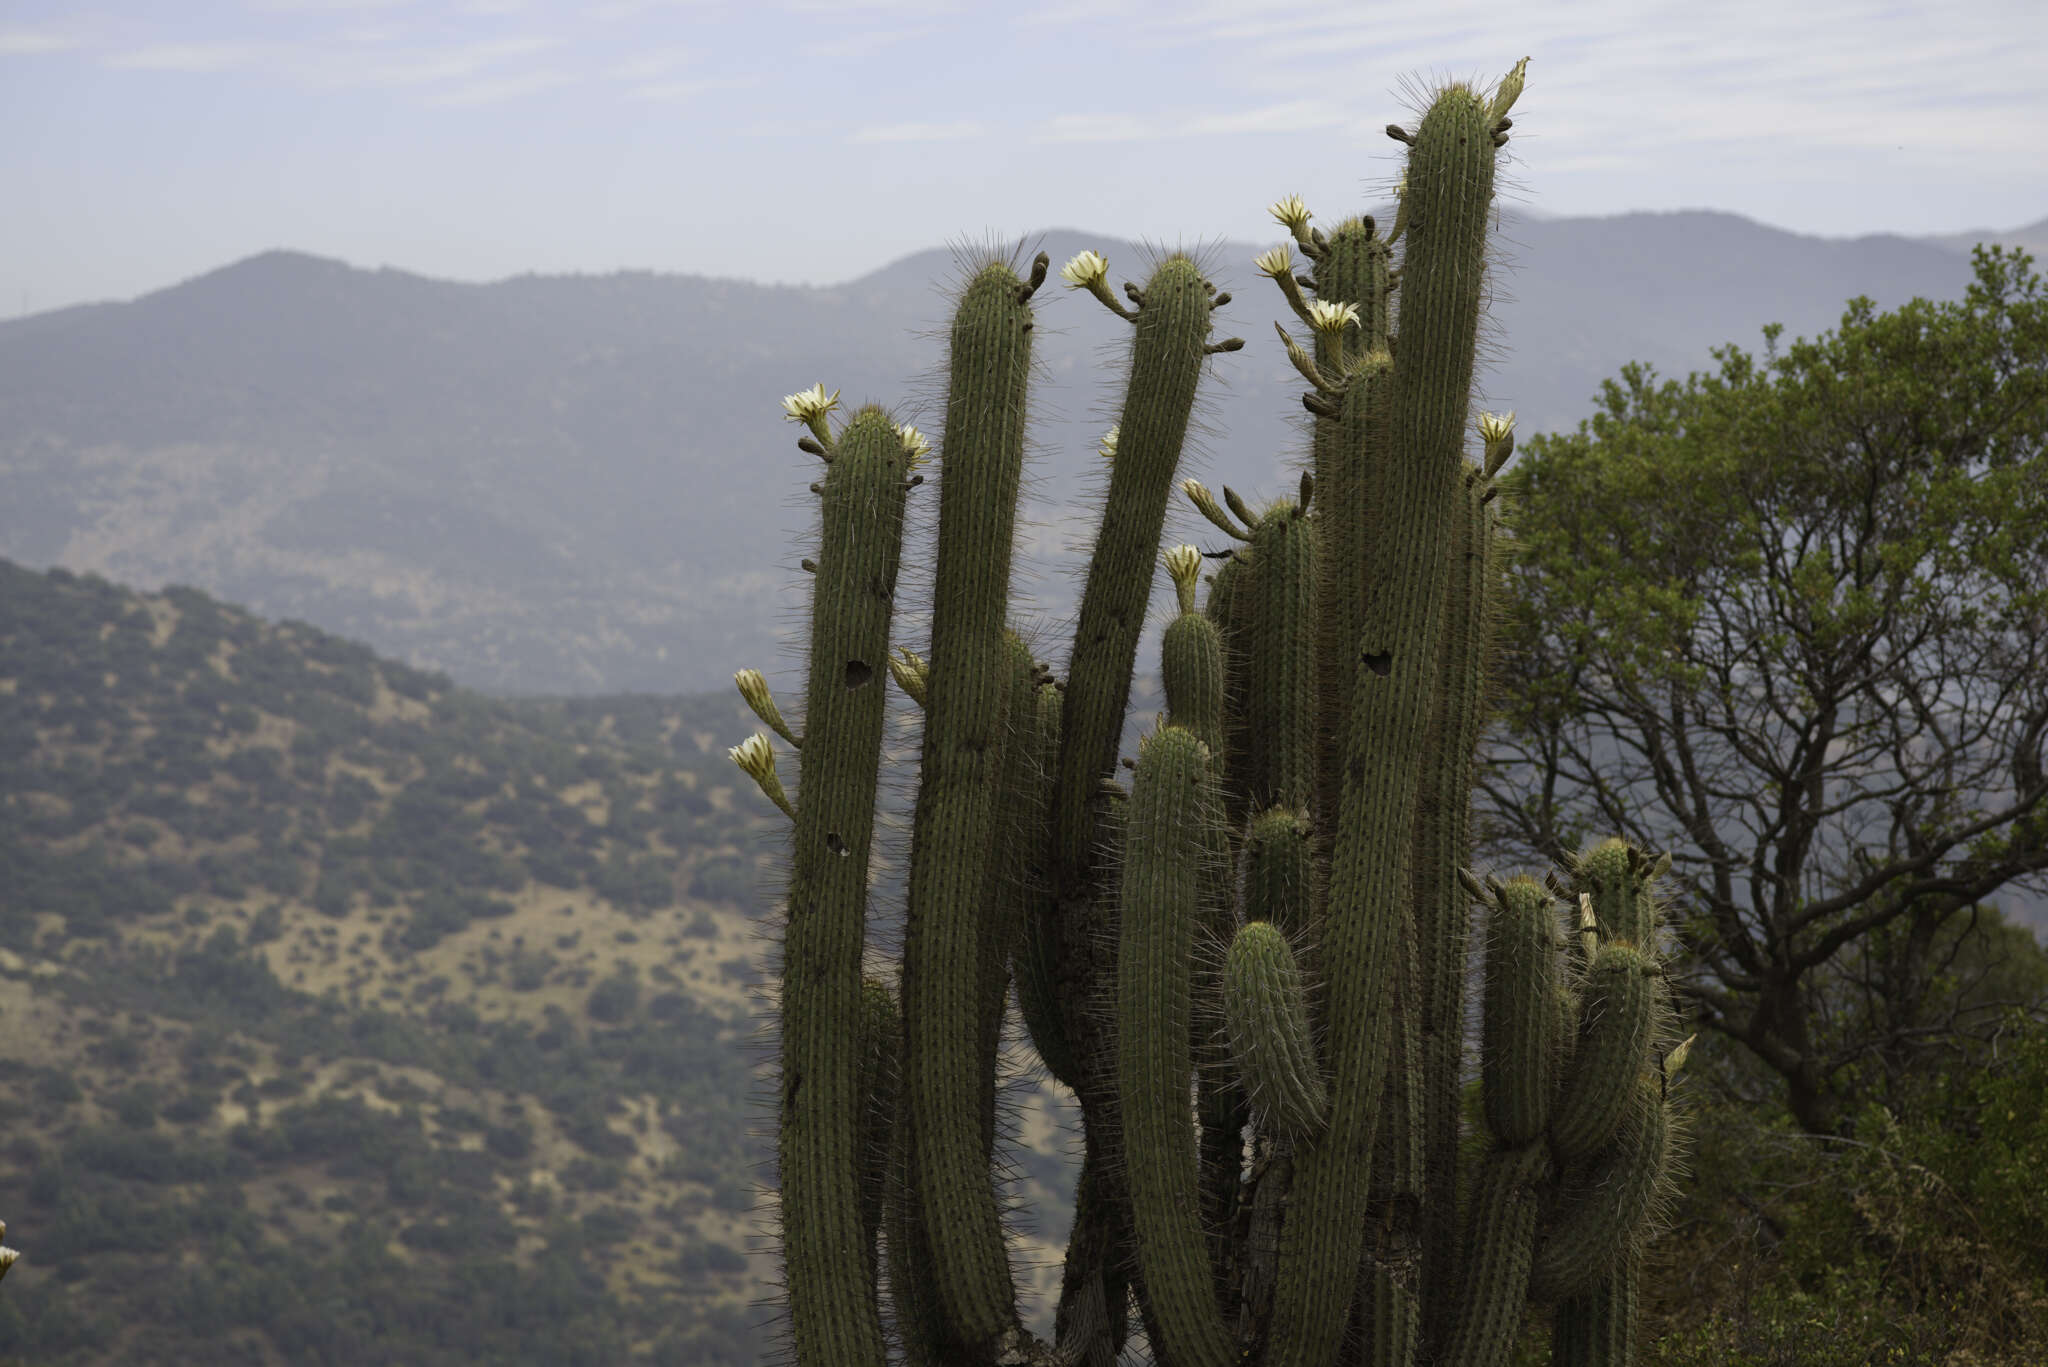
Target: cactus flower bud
<point>909,671</point>
<point>757,759</point>
<point>1108,448</point>
<point>1499,435</point>
<point>1184,563</point>
<point>1206,504</point>
<point>754,688</point>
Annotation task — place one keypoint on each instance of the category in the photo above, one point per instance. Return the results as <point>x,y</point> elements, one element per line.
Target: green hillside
<point>350,1017</point>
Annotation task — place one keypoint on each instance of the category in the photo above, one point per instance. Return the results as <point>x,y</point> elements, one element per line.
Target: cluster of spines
<point>1274,914</point>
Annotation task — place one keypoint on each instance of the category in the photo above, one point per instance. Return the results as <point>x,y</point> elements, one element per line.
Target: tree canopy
<point>1789,621</point>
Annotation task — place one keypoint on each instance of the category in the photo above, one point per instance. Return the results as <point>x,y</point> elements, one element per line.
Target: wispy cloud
<point>18,42</point>
<point>456,63</point>
<point>852,47</point>
<point>919,132</point>
<point>192,57</point>
<point>662,92</point>
<point>496,90</point>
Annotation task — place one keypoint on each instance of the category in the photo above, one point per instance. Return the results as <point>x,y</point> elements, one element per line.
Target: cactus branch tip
<point>1206,504</point>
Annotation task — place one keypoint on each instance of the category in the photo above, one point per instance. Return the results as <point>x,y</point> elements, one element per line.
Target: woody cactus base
<point>1251,965</point>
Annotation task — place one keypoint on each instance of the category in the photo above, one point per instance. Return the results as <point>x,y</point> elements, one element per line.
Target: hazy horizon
<point>474,140</point>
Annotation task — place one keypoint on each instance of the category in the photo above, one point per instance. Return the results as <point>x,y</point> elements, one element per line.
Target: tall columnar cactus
<point>1250,964</point>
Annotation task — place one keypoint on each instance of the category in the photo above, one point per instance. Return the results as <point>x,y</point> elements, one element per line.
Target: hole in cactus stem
<point>858,672</point>
<point>1381,664</point>
<point>836,845</point>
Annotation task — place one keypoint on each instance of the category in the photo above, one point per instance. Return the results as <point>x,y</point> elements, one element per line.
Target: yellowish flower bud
<point>1108,448</point>
<point>1184,563</point>
<point>910,672</point>
<point>756,758</point>
<point>754,688</point>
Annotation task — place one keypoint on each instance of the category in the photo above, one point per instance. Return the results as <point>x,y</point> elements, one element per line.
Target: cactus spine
<point>1265,938</point>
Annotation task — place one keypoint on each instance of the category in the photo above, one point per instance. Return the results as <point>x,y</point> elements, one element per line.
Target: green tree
<point>1790,622</point>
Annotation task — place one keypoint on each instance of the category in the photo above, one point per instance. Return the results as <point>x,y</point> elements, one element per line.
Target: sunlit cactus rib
<point>1271,922</point>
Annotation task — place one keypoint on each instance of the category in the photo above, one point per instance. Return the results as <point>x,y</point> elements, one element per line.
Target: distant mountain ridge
<point>584,483</point>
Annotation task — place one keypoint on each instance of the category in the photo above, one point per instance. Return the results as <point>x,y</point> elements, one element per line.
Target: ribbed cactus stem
<point>1166,365</point>
<point>1281,742</point>
<point>1172,801</point>
<point>1451,175</point>
<point>1037,953</point>
<point>1599,1328</point>
<point>1520,1028</point>
<point>1618,1020</point>
<point>1266,1013</point>
<point>833,1302</point>
<point>1606,1209</point>
<point>881,1038</point>
<point>967,694</point>
<point>1502,1228</point>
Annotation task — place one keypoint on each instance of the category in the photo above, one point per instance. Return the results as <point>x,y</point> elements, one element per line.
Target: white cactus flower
<point>1292,212</point>
<point>1493,427</point>
<point>1085,271</point>
<point>1276,263</point>
<point>809,404</point>
<point>1108,448</point>
<point>916,445</point>
<point>1325,316</point>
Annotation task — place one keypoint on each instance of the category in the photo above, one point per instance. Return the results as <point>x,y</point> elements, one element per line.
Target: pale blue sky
<point>145,141</point>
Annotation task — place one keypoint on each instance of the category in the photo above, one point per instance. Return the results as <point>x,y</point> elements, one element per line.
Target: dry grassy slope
<point>79,739</point>
<point>170,737</point>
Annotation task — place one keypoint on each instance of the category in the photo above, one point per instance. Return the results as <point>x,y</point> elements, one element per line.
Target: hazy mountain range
<point>585,483</point>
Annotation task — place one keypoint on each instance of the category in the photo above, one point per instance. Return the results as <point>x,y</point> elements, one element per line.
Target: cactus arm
<point>967,689</point>
<point>1172,801</point>
<point>1443,836</point>
<point>1503,1224</point>
<point>1008,892</point>
<point>1348,447</point>
<point>1166,365</point>
<point>832,1294</point>
<point>1282,741</point>
<point>1599,1328</point>
<point>1605,1212</point>
<point>1520,1040</point>
<point>1270,1040</point>
<point>881,1034</point>
<point>1617,1030</point>
<point>1036,967</point>
<point>1450,176</point>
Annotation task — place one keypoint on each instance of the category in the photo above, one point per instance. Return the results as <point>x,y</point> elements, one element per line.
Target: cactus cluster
<point>1251,964</point>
